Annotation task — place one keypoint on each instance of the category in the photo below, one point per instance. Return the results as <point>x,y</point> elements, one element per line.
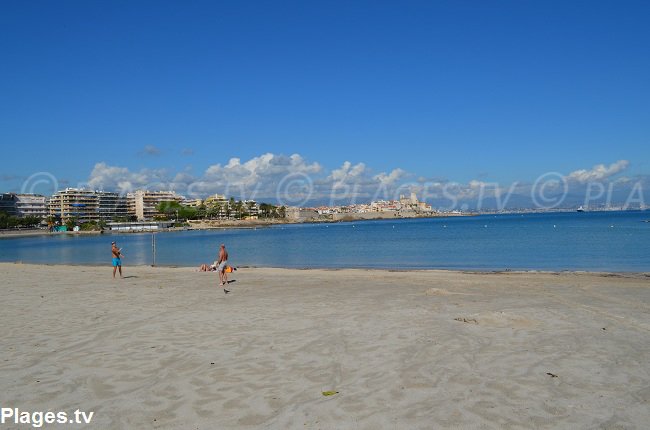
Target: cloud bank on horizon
<point>293,180</point>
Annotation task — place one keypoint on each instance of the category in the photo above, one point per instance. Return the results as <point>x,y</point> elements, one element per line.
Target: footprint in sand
<point>443,292</point>
<point>497,319</point>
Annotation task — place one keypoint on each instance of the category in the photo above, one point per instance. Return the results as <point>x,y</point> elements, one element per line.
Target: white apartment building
<point>31,205</point>
<point>23,205</point>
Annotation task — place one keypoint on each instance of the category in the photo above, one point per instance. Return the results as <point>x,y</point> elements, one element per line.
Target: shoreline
<point>620,274</point>
<point>201,226</point>
<point>41,232</point>
<point>209,225</point>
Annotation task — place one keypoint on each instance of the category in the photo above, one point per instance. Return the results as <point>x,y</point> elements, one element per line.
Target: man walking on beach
<point>221,267</point>
<point>117,258</point>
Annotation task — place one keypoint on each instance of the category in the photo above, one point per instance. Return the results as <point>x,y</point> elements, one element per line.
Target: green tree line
<point>12,221</point>
<point>228,210</point>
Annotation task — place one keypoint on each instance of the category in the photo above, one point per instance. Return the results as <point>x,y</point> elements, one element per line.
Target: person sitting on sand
<point>207,268</point>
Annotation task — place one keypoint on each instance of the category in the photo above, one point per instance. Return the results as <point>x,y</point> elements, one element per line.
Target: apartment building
<point>142,203</point>
<point>86,205</point>
<point>8,203</point>
<point>31,205</point>
<point>23,205</point>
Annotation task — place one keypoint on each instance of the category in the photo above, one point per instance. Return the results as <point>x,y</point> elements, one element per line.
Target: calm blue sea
<point>596,241</point>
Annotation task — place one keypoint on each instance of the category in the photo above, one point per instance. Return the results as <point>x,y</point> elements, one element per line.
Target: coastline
<point>218,224</point>
<point>206,225</point>
<point>166,348</point>
<point>41,232</point>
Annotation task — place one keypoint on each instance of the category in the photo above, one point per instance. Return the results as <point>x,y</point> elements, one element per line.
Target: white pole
<point>153,248</point>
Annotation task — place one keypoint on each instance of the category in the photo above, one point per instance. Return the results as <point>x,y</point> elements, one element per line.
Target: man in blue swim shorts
<point>117,259</point>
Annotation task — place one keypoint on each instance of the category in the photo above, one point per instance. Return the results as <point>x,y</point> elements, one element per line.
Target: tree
<point>71,223</point>
<point>169,208</point>
<point>30,221</point>
<point>201,211</point>
<point>249,209</point>
<point>89,226</point>
<point>186,212</point>
<point>213,211</point>
<point>12,221</point>
<point>238,208</point>
<point>264,210</point>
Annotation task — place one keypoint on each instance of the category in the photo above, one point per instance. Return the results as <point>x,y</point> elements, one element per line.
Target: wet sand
<point>166,348</point>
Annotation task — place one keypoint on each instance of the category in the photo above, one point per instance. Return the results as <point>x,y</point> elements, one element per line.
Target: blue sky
<point>497,91</point>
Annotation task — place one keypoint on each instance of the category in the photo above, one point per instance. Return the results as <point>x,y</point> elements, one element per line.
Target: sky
<point>210,96</point>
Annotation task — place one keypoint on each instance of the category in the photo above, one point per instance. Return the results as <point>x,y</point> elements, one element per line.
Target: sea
<point>574,241</point>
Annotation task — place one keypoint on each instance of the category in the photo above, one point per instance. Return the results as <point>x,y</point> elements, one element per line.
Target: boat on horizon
<point>580,209</point>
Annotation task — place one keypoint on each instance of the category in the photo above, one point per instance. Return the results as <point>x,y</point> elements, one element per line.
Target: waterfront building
<point>194,203</point>
<point>111,206</point>
<point>142,203</point>
<point>215,199</point>
<point>76,203</point>
<point>252,209</point>
<point>23,205</point>
<point>412,203</point>
<point>31,205</point>
<point>86,205</point>
<point>299,214</point>
<point>218,206</point>
<point>383,205</point>
<point>8,203</point>
<point>140,226</point>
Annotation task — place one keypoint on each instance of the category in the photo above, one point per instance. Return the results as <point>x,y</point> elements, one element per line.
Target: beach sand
<point>166,348</point>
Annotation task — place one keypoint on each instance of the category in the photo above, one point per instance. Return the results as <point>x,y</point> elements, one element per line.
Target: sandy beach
<point>165,348</point>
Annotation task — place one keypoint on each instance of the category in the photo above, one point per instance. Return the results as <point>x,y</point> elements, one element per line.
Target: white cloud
<point>598,172</point>
<point>257,176</point>
<point>122,180</point>
<point>347,173</point>
<point>391,178</point>
<point>270,177</point>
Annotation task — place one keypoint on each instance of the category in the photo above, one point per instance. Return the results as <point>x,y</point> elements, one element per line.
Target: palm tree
<point>51,220</point>
<point>71,223</point>
<point>238,208</point>
<point>212,211</point>
<point>249,208</point>
<point>264,210</point>
<point>201,211</point>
